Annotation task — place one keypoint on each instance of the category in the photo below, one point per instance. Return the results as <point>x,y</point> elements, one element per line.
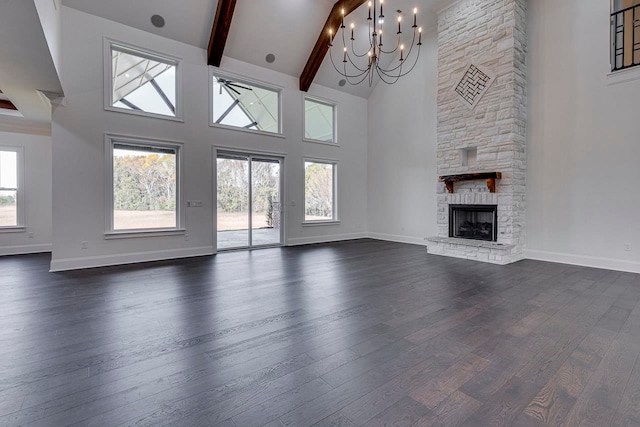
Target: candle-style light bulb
<point>420,36</point>
<point>345,54</point>
<point>380,38</point>
<point>401,52</point>
<point>381,13</point>
<point>415,15</point>
<point>352,27</point>
<point>399,20</point>
<point>342,21</point>
<point>330,37</point>
<point>369,18</point>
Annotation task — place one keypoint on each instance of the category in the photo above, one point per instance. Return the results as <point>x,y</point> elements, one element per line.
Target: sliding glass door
<point>249,189</point>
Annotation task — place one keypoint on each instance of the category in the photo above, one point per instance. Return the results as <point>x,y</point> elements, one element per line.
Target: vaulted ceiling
<point>287,29</point>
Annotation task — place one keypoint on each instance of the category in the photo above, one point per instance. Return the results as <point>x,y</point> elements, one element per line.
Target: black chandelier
<point>354,68</point>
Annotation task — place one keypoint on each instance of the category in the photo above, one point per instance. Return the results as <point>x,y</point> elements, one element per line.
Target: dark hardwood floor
<point>346,334</point>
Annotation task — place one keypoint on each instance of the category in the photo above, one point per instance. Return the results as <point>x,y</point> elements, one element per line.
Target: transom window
<point>319,191</point>
<point>319,120</point>
<point>143,83</point>
<point>11,198</point>
<point>145,178</point>
<point>245,105</point>
<point>625,34</point>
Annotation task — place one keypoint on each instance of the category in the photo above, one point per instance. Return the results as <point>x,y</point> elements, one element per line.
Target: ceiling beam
<point>220,31</point>
<point>322,45</point>
<point>7,105</point>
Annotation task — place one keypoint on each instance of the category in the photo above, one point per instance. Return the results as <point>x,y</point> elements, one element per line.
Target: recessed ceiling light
<point>342,82</point>
<point>157,21</point>
<point>270,58</point>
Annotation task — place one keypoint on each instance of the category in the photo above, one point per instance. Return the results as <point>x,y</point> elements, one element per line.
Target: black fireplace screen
<point>477,222</point>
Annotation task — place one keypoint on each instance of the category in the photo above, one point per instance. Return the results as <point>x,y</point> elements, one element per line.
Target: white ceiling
<point>286,28</point>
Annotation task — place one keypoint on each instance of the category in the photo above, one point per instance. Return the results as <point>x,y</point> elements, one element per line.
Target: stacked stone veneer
<point>491,34</point>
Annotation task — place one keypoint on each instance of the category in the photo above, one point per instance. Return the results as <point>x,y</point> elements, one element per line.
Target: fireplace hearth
<point>475,222</point>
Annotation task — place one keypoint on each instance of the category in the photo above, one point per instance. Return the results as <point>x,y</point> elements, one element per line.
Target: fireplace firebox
<point>477,222</point>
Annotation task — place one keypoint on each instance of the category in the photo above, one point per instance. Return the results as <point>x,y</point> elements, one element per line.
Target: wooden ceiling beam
<point>7,105</point>
<point>220,31</point>
<point>322,45</point>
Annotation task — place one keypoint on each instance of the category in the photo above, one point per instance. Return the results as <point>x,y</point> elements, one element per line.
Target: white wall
<point>402,153</point>
<point>79,155</point>
<point>37,191</point>
<point>583,143</point>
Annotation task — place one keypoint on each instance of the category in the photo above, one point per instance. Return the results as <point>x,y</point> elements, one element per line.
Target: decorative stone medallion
<point>474,84</point>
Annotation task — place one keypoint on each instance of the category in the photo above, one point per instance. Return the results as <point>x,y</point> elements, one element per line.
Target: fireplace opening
<point>477,222</point>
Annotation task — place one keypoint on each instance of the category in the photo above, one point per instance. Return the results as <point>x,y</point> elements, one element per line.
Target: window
<point>11,197</point>
<point>245,105</point>
<point>319,120</point>
<point>625,34</point>
<point>319,191</point>
<point>142,83</point>
<point>145,185</point>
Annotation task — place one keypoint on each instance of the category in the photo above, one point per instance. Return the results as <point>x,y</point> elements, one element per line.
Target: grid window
<point>10,194</point>
<point>319,191</point>
<point>244,105</point>
<point>145,186</point>
<point>143,83</point>
<point>319,120</point>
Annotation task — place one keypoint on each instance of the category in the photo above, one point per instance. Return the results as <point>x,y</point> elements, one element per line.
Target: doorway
<point>248,201</point>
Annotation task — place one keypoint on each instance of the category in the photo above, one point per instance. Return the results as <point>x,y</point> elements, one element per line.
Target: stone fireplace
<point>482,113</point>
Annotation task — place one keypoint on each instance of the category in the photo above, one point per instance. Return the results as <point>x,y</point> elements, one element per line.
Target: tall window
<point>625,34</point>
<point>240,104</point>
<point>319,191</point>
<point>10,187</point>
<point>142,82</point>
<point>319,120</point>
<point>145,187</point>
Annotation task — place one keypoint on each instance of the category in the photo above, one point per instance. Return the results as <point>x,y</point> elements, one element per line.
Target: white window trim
<point>110,233</point>
<point>334,105</point>
<point>336,219</point>
<point>144,53</point>
<point>20,194</point>
<point>241,79</point>
<point>623,76</point>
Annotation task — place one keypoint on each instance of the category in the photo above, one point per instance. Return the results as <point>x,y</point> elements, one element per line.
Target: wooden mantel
<point>489,177</point>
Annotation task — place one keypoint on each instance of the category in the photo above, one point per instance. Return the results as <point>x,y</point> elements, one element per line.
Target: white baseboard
<point>584,260</point>
<point>131,258</point>
<point>399,239</point>
<point>325,239</point>
<point>24,249</point>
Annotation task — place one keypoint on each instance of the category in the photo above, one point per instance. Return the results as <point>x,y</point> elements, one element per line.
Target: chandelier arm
<point>382,74</point>
<point>401,74</point>
<point>391,51</point>
<point>343,74</point>
<point>359,81</point>
<point>356,54</point>
<point>410,49</point>
<point>363,70</point>
<point>412,67</point>
<point>391,70</point>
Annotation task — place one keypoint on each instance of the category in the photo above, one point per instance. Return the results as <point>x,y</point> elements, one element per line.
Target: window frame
<point>109,45</point>
<point>241,79</point>
<point>20,192</point>
<point>110,232</point>
<point>334,105</point>
<point>335,218</point>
